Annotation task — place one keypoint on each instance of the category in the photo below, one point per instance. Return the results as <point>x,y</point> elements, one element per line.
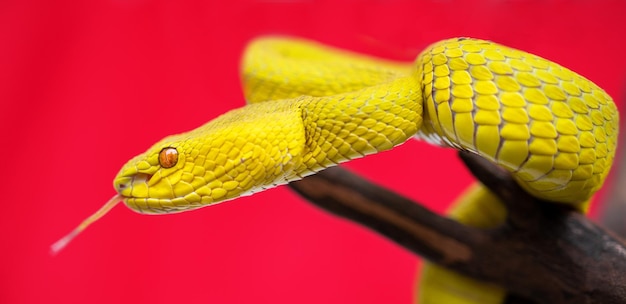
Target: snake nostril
<point>122,184</point>
<point>121,187</point>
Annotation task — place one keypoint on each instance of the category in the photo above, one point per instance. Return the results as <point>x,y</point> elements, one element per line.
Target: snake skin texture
<point>552,128</point>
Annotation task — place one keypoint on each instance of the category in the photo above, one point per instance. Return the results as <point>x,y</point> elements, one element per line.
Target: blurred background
<point>86,85</point>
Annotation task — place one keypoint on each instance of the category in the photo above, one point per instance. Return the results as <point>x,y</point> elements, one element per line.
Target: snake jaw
<point>146,193</point>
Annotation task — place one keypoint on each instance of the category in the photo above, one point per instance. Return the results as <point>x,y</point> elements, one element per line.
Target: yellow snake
<point>554,130</point>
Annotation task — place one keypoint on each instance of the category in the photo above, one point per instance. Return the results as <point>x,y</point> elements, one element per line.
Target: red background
<point>85,85</point>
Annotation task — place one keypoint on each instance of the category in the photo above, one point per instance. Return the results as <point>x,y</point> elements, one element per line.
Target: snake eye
<point>168,157</point>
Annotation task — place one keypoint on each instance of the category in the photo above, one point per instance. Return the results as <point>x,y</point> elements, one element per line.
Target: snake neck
<point>342,127</point>
<point>351,105</point>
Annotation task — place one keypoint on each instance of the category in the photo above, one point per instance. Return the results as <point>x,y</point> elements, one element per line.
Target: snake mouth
<point>134,191</point>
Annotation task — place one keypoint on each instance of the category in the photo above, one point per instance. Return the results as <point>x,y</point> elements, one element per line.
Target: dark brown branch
<point>396,217</point>
<point>544,252</point>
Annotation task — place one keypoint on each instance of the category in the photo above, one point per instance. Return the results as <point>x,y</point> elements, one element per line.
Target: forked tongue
<point>60,244</point>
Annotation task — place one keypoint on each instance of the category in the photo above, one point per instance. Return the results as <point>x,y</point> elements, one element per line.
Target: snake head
<point>241,152</point>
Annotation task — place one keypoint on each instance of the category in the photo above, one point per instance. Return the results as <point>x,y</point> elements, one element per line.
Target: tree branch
<point>544,253</point>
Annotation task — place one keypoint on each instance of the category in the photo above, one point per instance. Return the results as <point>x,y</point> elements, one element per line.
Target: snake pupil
<point>168,157</point>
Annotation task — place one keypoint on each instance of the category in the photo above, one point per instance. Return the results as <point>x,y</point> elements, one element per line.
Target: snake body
<point>554,130</point>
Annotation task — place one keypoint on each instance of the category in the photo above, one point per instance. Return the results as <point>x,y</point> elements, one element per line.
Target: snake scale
<point>312,106</point>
